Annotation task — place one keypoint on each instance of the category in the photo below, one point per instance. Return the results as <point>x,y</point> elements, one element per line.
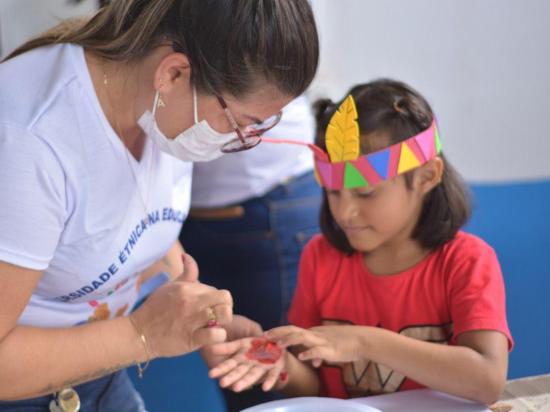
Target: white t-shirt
<point>69,202</point>
<point>236,177</point>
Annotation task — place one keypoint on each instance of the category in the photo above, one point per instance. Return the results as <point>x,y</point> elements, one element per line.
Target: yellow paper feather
<point>342,135</point>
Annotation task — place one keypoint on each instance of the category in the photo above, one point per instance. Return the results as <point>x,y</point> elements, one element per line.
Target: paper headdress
<point>344,168</point>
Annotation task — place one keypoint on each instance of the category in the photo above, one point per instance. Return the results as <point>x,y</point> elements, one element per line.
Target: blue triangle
<point>379,161</point>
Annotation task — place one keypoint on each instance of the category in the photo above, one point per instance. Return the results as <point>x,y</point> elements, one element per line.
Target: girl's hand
<point>175,318</point>
<point>252,360</point>
<point>339,343</point>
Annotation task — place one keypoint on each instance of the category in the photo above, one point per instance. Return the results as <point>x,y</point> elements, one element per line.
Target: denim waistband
<point>256,211</point>
<point>87,392</point>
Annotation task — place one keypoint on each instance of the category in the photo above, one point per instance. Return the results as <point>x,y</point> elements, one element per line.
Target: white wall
<point>484,65</point>
<point>21,19</point>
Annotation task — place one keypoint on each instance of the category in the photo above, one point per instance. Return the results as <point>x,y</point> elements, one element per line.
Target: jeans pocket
<point>121,396</point>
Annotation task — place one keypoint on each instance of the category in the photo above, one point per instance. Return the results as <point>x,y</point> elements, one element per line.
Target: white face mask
<point>199,143</point>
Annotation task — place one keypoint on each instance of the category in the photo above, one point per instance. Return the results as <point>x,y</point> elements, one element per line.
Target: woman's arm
<point>36,361</point>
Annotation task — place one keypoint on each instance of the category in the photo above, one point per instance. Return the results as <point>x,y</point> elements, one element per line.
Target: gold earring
<point>160,102</point>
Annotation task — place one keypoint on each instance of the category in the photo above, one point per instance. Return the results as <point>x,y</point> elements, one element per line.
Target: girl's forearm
<point>303,380</point>
<point>458,370</point>
<point>38,361</point>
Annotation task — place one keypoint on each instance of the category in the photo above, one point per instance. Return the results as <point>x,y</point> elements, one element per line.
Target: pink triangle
<point>395,155</point>
<point>337,175</point>
<point>332,174</point>
<point>324,172</point>
<point>426,142</point>
<point>415,148</point>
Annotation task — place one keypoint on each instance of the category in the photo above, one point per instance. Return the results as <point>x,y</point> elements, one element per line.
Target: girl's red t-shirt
<point>457,288</point>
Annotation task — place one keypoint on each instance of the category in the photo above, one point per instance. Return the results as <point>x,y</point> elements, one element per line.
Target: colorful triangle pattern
<point>331,174</point>
<point>407,160</point>
<point>324,172</point>
<point>370,169</point>
<point>426,142</point>
<point>353,178</point>
<point>379,161</point>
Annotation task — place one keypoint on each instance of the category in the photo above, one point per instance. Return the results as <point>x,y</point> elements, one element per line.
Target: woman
<point>89,114</point>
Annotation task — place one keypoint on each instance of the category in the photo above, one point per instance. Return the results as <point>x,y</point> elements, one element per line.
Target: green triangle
<point>353,178</point>
<point>437,141</point>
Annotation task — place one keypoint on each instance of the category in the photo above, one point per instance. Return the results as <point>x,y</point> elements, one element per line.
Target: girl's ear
<point>430,174</point>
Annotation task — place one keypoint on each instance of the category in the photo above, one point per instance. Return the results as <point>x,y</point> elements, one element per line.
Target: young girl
<point>392,296</point>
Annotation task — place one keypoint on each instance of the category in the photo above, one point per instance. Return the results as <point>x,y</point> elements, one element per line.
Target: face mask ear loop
<point>195,105</point>
<point>155,102</point>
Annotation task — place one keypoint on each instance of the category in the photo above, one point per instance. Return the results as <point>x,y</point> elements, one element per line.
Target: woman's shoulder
<point>33,80</point>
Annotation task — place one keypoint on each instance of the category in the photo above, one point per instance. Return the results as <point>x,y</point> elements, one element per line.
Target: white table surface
<point>420,400</point>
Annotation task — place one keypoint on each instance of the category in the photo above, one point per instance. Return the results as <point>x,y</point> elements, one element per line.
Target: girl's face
<point>377,216</point>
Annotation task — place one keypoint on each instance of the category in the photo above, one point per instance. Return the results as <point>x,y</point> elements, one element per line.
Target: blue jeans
<point>256,256</point>
<point>111,393</point>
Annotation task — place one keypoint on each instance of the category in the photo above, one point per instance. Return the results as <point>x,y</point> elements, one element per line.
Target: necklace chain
<point>143,200</point>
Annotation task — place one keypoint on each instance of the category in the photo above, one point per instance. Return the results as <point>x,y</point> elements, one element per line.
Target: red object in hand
<point>264,351</point>
<point>283,376</point>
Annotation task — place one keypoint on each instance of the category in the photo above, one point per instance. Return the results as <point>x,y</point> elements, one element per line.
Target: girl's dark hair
<point>233,45</point>
<point>396,111</point>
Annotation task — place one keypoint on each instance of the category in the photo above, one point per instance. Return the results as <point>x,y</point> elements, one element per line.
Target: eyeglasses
<point>249,137</point>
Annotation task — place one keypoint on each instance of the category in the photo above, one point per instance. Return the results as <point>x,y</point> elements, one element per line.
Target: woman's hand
<point>240,327</point>
<point>252,360</point>
<point>175,317</point>
<point>339,343</point>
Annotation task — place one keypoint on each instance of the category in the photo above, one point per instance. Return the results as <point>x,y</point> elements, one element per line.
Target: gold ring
<point>212,320</point>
